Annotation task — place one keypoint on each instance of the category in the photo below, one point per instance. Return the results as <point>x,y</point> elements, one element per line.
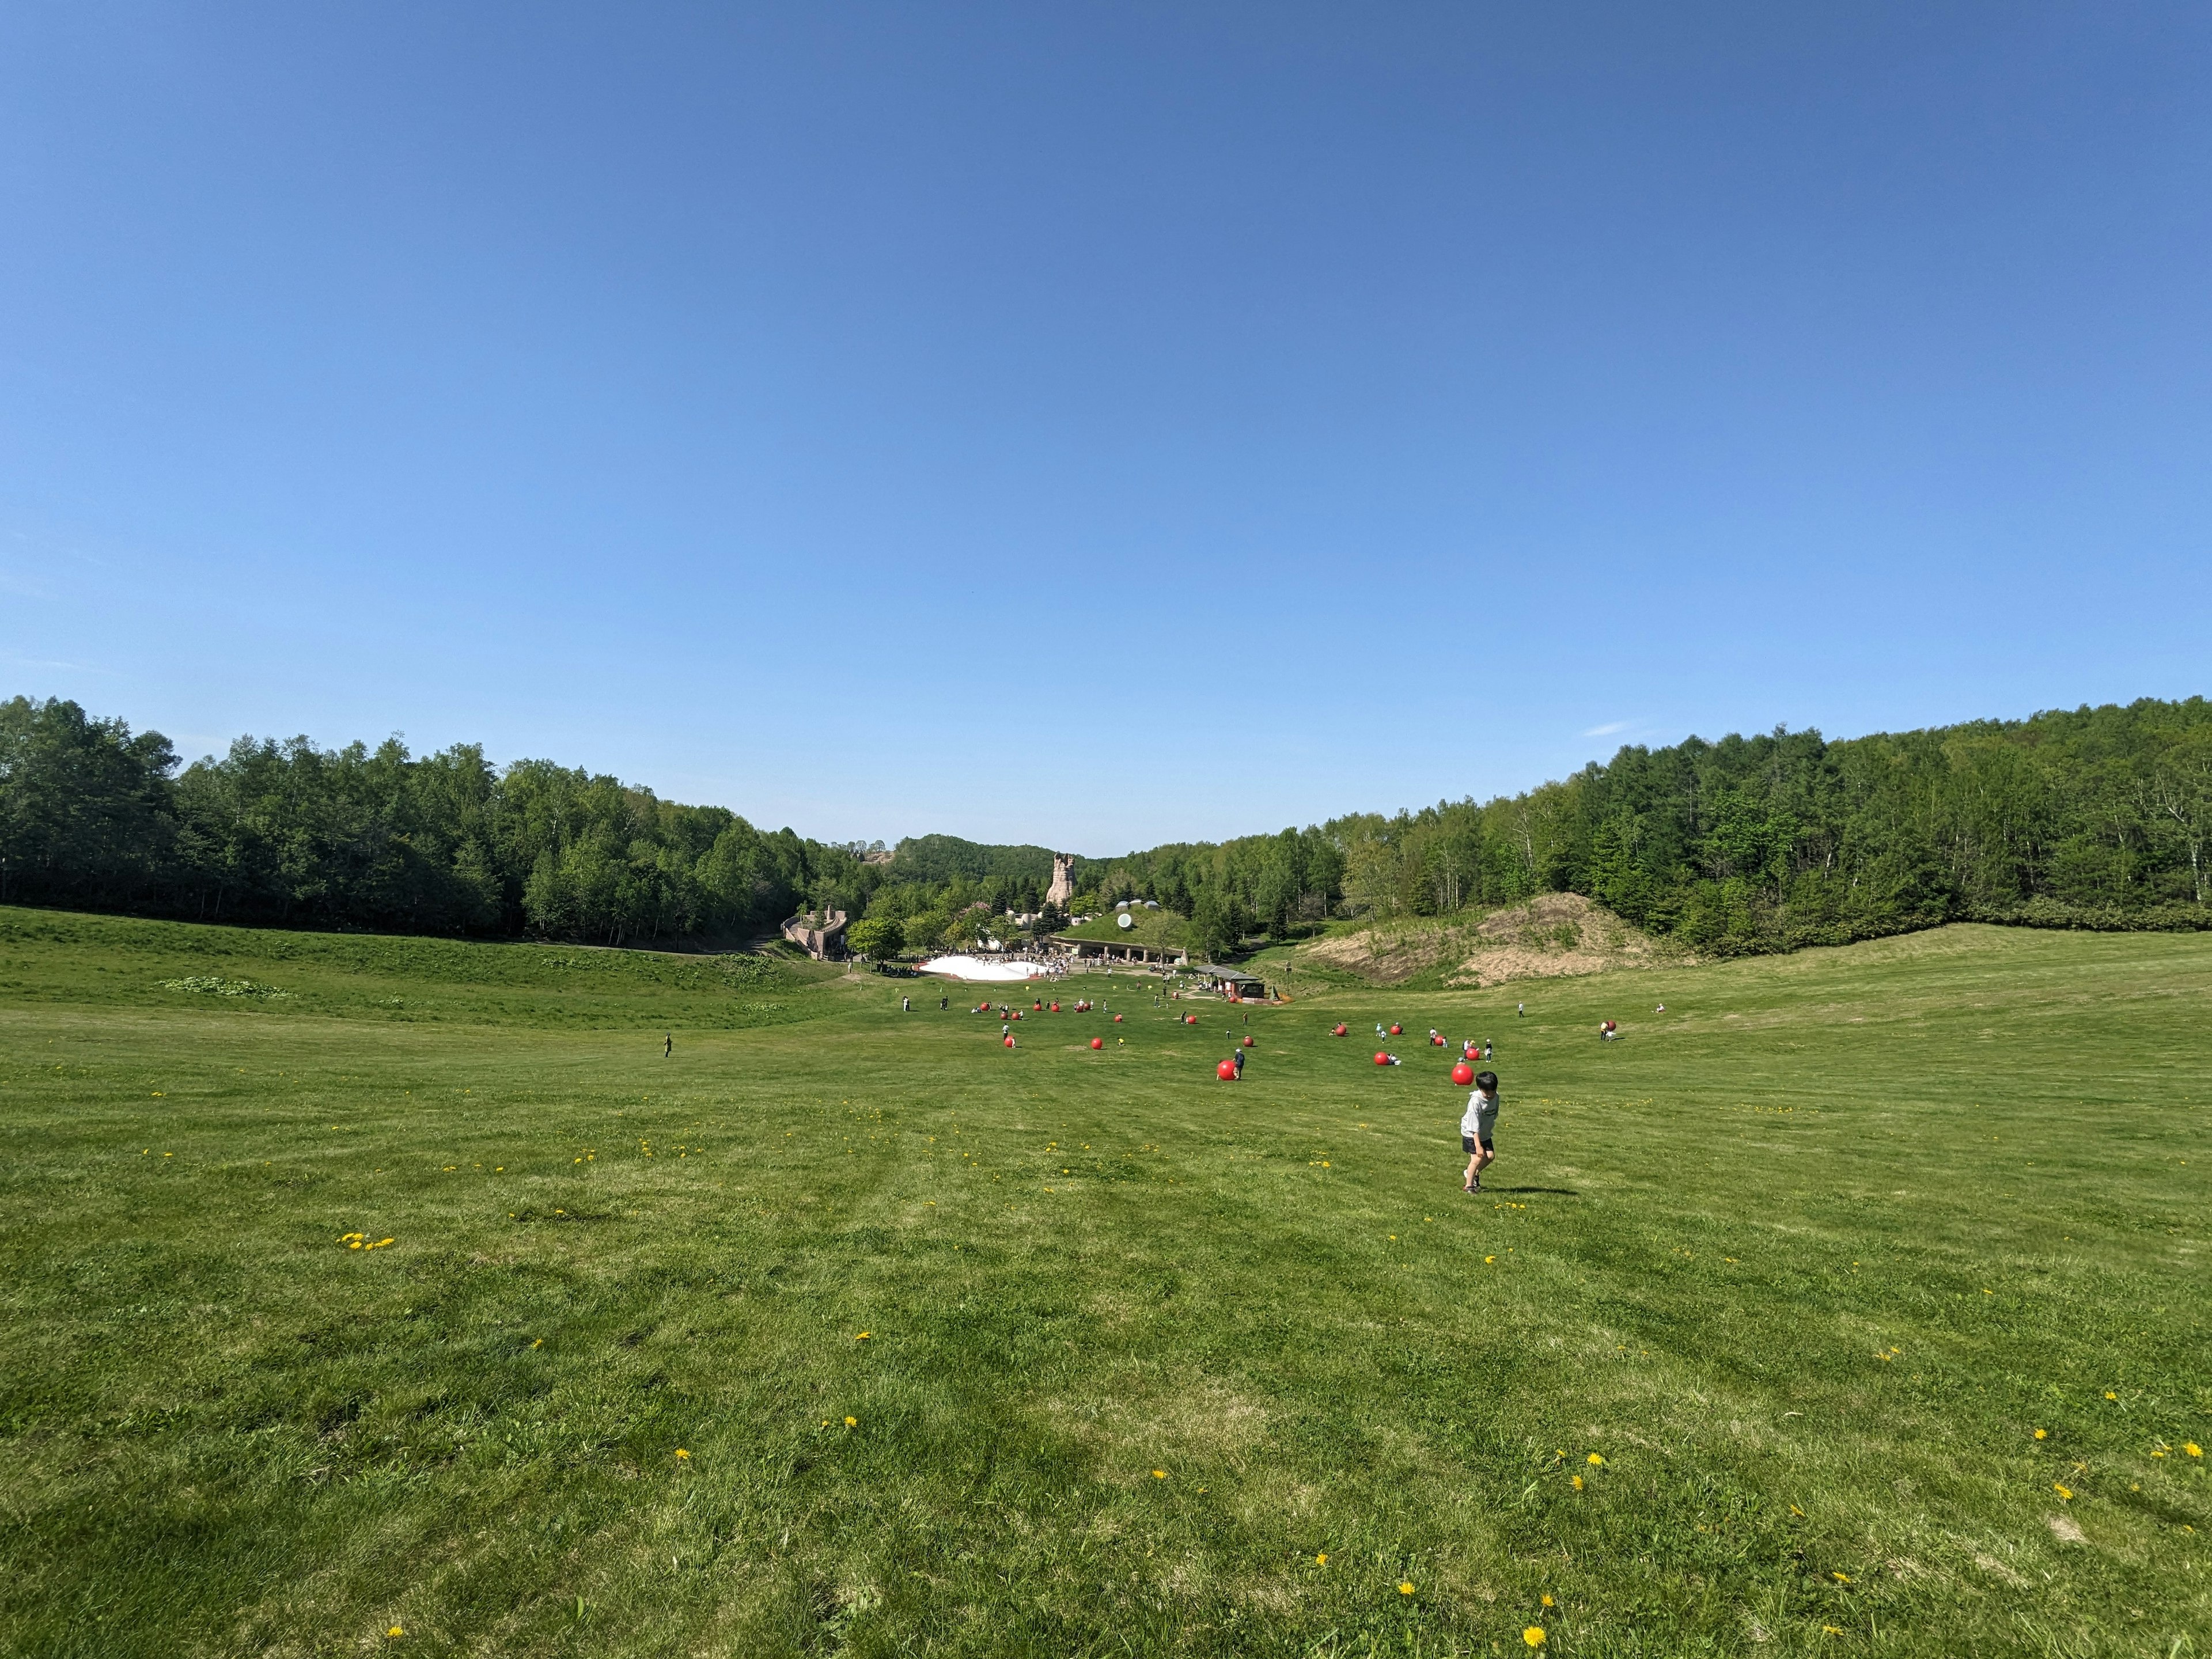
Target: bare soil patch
<point>1551,936</point>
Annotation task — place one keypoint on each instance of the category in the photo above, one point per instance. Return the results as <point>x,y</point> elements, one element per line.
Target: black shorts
<point>1467,1143</point>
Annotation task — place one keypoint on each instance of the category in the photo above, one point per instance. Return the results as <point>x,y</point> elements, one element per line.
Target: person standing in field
<point>1477,1130</point>
<point>667,1045</point>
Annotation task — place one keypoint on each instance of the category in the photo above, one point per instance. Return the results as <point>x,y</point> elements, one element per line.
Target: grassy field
<point>1855,1305</point>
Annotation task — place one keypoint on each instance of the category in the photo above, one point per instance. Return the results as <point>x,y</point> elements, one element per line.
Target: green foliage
<point>286,832</point>
<point>879,939</point>
<point>1805,1263</point>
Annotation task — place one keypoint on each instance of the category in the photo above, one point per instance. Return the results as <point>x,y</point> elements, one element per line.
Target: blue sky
<point>1100,425</point>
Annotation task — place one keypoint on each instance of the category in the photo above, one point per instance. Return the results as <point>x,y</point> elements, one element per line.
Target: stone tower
<point>1063,880</point>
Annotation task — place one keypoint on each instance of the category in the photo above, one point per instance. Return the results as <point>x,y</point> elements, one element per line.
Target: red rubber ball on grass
<point>1381,1058</point>
<point>1247,1042</point>
<point>1010,1042</point>
<point>1226,1071</point>
<point>1117,1019</point>
<point>1462,1074</point>
<point>1397,1031</point>
<point>1098,1042</point>
<point>1339,1031</point>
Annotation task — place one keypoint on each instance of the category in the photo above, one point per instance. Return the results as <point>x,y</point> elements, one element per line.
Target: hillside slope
<point>1552,935</point>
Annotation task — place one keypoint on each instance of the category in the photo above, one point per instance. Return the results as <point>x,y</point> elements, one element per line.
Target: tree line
<point>2088,818</point>
<point>95,815</point>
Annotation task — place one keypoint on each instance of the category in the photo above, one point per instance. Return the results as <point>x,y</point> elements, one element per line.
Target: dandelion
<point>861,1337</point>
<point>395,1632</point>
<point>1579,1483</point>
<point>1405,1586</point>
<point>2193,1449</point>
<point>1549,1602</point>
<point>1159,1474</point>
<point>1534,1636</point>
<point>1490,1258</point>
<point>2064,1492</point>
<point>2109,1394</point>
<point>539,1343</point>
<point>682,1454</point>
<point>1321,1560</point>
<point>1831,1630</point>
<point>1794,1511</point>
<point>1841,1577</point>
<point>851,1422</point>
<point>1595,1461</point>
<point>2043,1434</point>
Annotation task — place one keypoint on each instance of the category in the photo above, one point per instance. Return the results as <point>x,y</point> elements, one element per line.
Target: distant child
<point>1478,1129</point>
<point>1239,1058</point>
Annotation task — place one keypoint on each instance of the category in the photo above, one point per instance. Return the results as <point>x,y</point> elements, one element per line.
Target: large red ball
<point>1397,1031</point>
<point>1247,1042</point>
<point>1117,1019</point>
<point>1226,1071</point>
<point>1462,1074</point>
<point>1381,1058</point>
<point>1098,1042</point>
<point>1010,1042</point>
<point>1339,1031</point>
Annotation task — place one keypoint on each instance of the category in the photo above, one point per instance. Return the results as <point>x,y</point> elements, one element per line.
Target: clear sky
<point>1100,425</point>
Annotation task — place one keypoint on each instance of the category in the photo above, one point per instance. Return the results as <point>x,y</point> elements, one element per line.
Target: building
<point>1121,951</point>
<point>821,935</point>
<point>1235,986</point>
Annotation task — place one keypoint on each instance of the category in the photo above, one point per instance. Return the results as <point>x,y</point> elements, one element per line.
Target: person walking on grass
<point>667,1045</point>
<point>1478,1129</point>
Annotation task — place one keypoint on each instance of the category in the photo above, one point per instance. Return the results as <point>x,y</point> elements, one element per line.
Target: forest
<point>2088,818</point>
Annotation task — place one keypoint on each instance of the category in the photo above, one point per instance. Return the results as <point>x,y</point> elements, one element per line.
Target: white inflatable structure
<point>976,967</point>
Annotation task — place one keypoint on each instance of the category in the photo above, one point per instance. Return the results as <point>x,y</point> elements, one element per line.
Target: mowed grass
<point>846,1330</point>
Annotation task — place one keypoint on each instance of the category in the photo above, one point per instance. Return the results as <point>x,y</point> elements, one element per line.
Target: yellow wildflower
<point>1549,1602</point>
<point>1579,1483</point>
<point>2043,1434</point>
<point>681,1453</point>
<point>2062,1492</point>
<point>861,1337</point>
<point>395,1632</point>
<point>1841,1577</point>
<point>851,1422</point>
<point>2109,1394</point>
<point>1321,1560</point>
<point>1595,1461</point>
<point>2193,1449</point>
<point>1405,1586</point>
<point>1159,1474</point>
<point>1534,1636</point>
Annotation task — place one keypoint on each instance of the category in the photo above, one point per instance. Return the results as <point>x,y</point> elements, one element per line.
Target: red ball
<point>1117,1019</point>
<point>1010,1042</point>
<point>1339,1031</point>
<point>1247,1042</point>
<point>1397,1031</point>
<point>1381,1058</point>
<point>1056,1007</point>
<point>1098,1042</point>
<point>1462,1074</point>
<point>1226,1071</point>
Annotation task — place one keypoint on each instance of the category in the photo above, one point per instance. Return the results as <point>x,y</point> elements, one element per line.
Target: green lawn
<point>1152,1363</point>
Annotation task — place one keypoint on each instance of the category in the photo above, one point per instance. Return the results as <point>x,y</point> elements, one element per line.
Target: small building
<point>1237,986</point>
<point>1117,950</point>
<point>820,934</point>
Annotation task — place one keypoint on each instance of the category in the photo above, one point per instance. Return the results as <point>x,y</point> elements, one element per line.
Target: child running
<point>1478,1129</point>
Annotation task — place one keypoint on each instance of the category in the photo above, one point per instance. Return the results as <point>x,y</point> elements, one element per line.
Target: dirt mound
<point>1550,936</point>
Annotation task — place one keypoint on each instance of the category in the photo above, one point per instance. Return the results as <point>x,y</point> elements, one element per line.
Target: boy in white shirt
<point>1478,1129</point>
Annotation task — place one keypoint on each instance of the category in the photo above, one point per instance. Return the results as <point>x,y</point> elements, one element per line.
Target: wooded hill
<point>2092,817</point>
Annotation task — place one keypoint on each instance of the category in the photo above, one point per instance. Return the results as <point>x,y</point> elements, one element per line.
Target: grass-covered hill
<point>1852,1305</point>
<point>1162,930</point>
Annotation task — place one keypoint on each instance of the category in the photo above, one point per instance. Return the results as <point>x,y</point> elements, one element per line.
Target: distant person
<point>1520,1011</point>
<point>668,1045</point>
<point>1477,1130</point>
<point>945,1002</point>
<point>906,1004</point>
<point>1239,1058</point>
